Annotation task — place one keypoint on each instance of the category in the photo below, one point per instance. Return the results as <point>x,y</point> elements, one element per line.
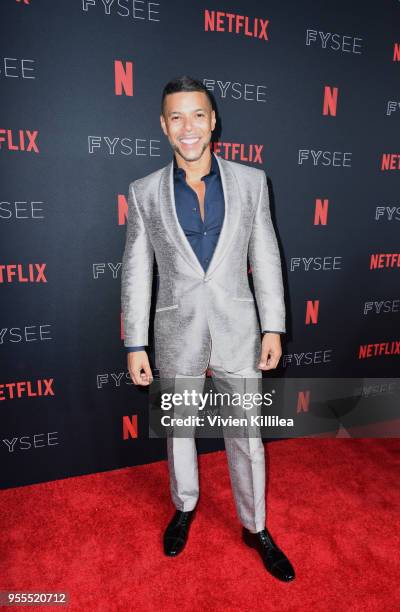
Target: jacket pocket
<point>166,308</point>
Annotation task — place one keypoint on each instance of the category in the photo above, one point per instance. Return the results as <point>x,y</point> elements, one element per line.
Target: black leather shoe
<point>274,559</point>
<point>176,533</point>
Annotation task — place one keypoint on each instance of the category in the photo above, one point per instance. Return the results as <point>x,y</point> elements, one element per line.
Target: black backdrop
<point>63,198</point>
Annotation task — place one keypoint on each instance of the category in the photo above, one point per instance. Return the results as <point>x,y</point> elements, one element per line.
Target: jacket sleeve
<point>266,265</point>
<point>136,276</point>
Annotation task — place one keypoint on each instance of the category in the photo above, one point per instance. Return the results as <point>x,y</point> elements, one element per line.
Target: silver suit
<point>206,319</point>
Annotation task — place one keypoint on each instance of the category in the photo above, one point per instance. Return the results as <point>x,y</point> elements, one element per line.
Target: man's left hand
<point>271,351</point>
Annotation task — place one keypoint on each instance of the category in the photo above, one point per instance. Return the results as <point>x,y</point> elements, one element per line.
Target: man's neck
<point>195,169</point>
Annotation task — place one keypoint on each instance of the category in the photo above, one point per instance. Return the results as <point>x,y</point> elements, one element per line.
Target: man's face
<point>188,121</point>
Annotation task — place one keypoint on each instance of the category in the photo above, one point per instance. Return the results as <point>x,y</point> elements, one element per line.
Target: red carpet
<point>332,505</point>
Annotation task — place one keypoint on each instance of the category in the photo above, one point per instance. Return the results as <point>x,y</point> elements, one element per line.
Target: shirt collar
<point>214,167</point>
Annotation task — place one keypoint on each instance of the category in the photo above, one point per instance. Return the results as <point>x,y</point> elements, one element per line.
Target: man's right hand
<point>138,360</point>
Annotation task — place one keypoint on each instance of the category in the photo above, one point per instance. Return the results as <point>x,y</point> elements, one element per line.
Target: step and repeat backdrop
<point>307,91</point>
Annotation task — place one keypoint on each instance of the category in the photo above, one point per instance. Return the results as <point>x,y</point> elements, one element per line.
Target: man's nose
<point>188,125</point>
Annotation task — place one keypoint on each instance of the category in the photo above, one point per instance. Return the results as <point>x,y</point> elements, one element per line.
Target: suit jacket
<point>195,307</point>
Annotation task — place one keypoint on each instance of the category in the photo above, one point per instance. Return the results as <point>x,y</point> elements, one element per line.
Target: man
<point>201,217</point>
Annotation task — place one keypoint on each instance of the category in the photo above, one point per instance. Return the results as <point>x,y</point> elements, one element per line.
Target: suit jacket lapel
<point>173,227</point>
<point>232,215</point>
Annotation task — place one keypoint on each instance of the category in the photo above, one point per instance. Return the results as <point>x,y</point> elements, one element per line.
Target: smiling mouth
<point>189,141</point>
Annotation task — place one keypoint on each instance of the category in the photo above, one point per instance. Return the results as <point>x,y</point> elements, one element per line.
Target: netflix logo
<point>330,101</point>
<point>384,260</point>
<point>122,209</point>
<point>312,312</point>
<point>21,140</point>
<point>239,152</point>
<point>379,349</point>
<point>129,427</point>
<point>22,273</point>
<point>123,78</point>
<point>26,388</point>
<point>390,161</point>
<point>253,27</point>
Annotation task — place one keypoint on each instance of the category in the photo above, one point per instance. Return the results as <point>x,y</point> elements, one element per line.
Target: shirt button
<point>205,233</point>
<point>194,209</point>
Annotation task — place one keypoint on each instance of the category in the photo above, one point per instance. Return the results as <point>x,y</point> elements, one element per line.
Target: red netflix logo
<point>312,310</point>
<point>239,152</point>
<point>390,161</point>
<point>24,141</point>
<point>20,273</point>
<point>303,401</point>
<point>37,388</point>
<point>384,260</point>
<point>129,427</point>
<point>379,349</point>
<point>122,209</point>
<point>217,21</point>
<point>123,77</point>
<point>321,211</point>
<point>330,101</point>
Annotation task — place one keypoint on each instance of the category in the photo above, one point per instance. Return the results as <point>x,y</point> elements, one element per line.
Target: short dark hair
<point>184,83</point>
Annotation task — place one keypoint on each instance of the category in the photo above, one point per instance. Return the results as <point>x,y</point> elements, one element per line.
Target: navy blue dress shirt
<point>202,235</point>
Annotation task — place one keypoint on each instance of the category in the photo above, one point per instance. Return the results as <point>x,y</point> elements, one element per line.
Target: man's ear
<point>162,121</point>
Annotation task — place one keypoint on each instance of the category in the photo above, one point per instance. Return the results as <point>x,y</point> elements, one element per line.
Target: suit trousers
<point>245,454</point>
